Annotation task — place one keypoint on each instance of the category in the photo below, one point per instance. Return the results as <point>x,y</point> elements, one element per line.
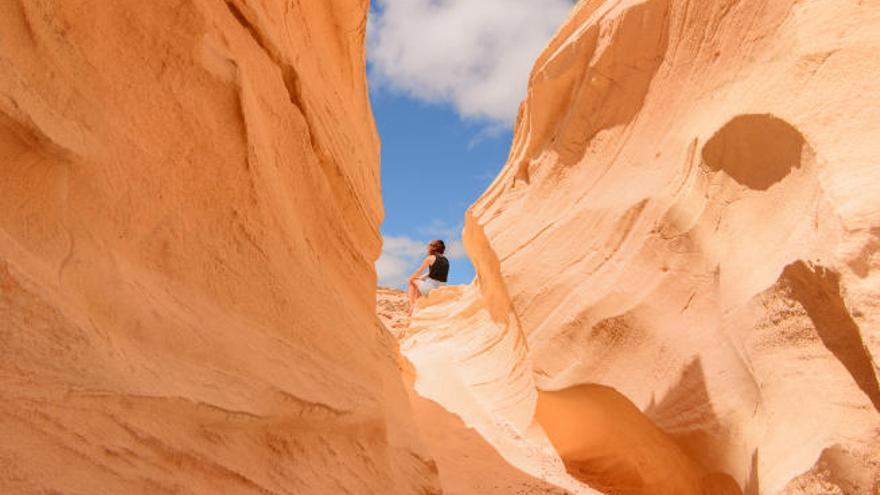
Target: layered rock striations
<point>678,278</point>
<point>466,463</point>
<point>189,211</point>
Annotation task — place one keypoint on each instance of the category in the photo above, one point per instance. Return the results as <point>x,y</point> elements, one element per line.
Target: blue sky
<point>434,165</point>
<point>446,79</point>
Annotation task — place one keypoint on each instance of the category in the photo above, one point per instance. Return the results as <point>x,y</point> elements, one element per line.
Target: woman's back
<point>439,269</point>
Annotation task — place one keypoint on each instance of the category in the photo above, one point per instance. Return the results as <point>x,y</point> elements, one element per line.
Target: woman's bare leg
<point>414,294</point>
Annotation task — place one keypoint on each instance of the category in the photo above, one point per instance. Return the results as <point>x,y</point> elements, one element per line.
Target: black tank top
<point>440,269</point>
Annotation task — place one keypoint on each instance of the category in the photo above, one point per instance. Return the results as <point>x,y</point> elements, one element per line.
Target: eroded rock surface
<point>466,462</point>
<point>189,211</point>
<point>392,307</point>
<point>689,217</point>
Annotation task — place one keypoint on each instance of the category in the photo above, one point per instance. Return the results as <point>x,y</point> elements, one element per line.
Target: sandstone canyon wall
<point>678,275</point>
<point>189,211</point>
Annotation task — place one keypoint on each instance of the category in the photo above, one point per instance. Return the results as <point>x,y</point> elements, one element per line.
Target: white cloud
<point>439,229</point>
<point>401,256</point>
<point>474,54</point>
<point>455,249</point>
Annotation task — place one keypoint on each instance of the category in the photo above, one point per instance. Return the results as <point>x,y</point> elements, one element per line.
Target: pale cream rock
<point>466,463</point>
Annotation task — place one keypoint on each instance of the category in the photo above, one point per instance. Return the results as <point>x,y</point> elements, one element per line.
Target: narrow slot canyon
<point>677,268</point>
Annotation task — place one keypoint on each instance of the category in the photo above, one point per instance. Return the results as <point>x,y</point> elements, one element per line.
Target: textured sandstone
<point>392,307</point>
<point>685,237</point>
<point>466,462</point>
<point>189,211</point>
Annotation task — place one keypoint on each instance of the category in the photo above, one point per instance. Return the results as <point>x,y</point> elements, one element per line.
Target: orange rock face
<point>392,308</point>
<point>189,211</point>
<point>683,249</point>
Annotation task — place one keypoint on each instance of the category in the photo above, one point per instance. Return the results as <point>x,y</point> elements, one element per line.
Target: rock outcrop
<point>392,308</point>
<point>678,274</point>
<point>467,464</point>
<point>189,211</point>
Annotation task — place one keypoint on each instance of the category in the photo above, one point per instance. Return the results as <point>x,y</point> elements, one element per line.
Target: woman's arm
<point>416,273</point>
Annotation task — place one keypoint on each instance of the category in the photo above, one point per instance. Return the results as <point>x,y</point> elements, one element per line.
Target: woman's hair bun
<point>437,246</point>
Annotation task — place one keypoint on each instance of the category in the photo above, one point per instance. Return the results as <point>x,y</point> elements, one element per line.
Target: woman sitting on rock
<point>438,269</point>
